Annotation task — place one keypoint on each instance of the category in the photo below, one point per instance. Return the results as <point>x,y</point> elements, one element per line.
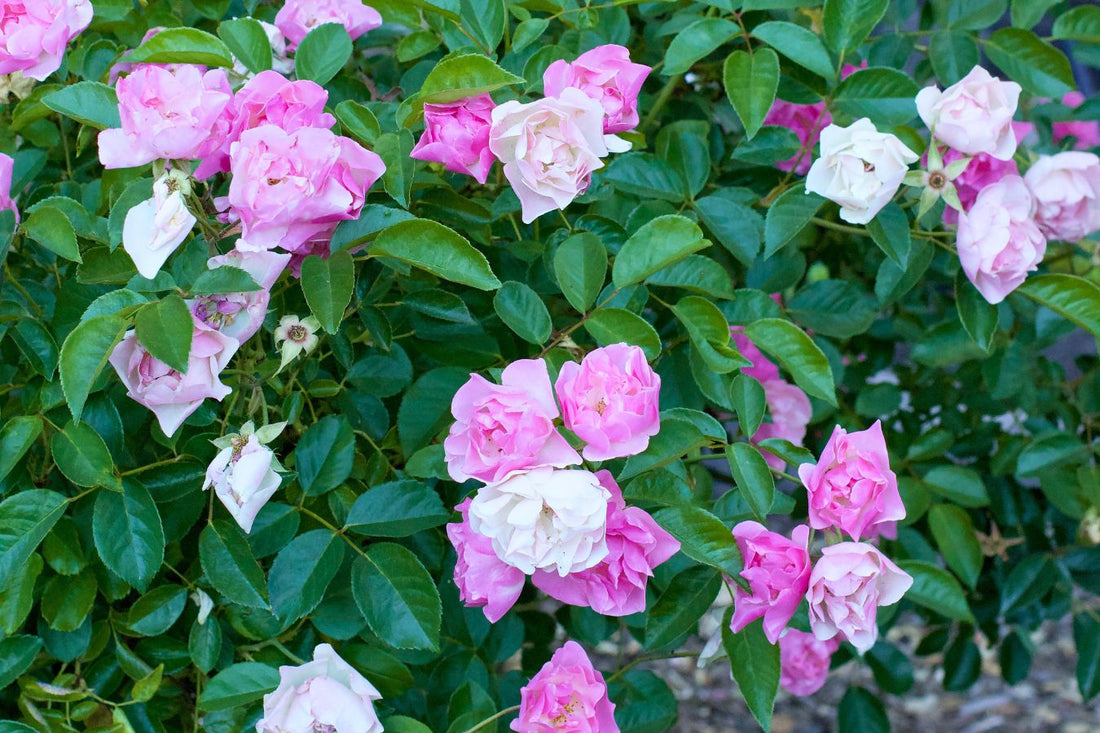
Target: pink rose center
<point>152,370</point>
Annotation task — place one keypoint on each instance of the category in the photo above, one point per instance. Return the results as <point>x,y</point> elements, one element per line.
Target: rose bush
<point>325,325</point>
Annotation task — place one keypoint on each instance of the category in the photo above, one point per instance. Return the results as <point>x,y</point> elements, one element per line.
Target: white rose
<point>973,115</point>
<point>545,518</point>
<point>243,473</point>
<point>860,168</point>
<point>154,228</point>
<point>326,694</point>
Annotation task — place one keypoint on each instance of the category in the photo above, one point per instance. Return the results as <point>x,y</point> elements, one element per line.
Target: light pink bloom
<point>998,240</point>
<point>550,148</point>
<point>852,487</point>
<point>1086,132</point>
<point>982,170</point>
<point>240,315</point>
<point>611,401</point>
<point>763,369</point>
<point>848,584</point>
<point>973,115</point>
<point>34,33</point>
<point>269,98</point>
<point>503,428</point>
<point>778,572</point>
<point>616,586</point>
<point>607,75</point>
<point>456,134</point>
<point>289,189</point>
<point>173,396</point>
<point>567,694</point>
<point>6,202</point>
<point>790,411</point>
<point>1066,189</point>
<point>153,229</point>
<point>244,478</point>
<point>806,121</point>
<point>483,579</point>
<point>327,694</point>
<point>298,17</point>
<point>804,661</point>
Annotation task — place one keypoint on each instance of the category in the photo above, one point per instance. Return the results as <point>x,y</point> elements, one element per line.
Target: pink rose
<point>567,694</point>
<point>847,585</point>
<point>610,400</point>
<point>852,487</point>
<point>456,134</point>
<point>289,188</point>
<point>34,33</point>
<point>982,170</point>
<point>244,478</point>
<point>6,165</point>
<point>1086,132</point>
<point>998,240</point>
<point>763,369</point>
<point>240,315</point>
<point>550,148</point>
<point>974,115</point>
<point>607,75</point>
<point>269,98</point>
<point>298,17</point>
<point>616,586</point>
<point>804,661</point>
<point>790,411</point>
<point>504,428</point>
<point>173,396</point>
<point>778,572</point>
<point>177,113</point>
<point>1066,189</point>
<point>483,579</point>
<point>804,120</point>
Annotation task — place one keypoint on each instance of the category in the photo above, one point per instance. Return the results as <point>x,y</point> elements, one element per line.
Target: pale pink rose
<point>763,369</point>
<point>851,487</point>
<point>790,411</point>
<point>607,75</point>
<point>153,229</point>
<point>611,401</point>
<point>1086,132</point>
<point>240,315</point>
<point>177,113</point>
<point>483,579</point>
<point>1066,189</point>
<point>6,165</point>
<point>173,396</point>
<point>327,694</point>
<point>269,98</point>
<point>244,478</point>
<point>998,240</point>
<point>550,148</point>
<point>456,134</point>
<point>982,170</point>
<point>504,428</point>
<point>616,586</point>
<point>804,120</point>
<point>567,694</point>
<point>804,661</point>
<point>34,33</point>
<point>298,17</point>
<point>289,189</point>
<point>973,115</point>
<point>848,584</point>
<point>778,572</point>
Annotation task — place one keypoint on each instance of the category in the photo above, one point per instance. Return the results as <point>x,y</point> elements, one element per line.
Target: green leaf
<point>204,644</point>
<point>165,329</point>
<point>396,509</point>
<point>82,456</point>
<point>438,249</point>
<point>228,562</point>
<point>49,226</point>
<point>969,15</point>
<point>798,44</point>
<point>246,39</point>
<point>953,54</point>
<point>709,332</point>
<point>456,76</point>
<point>224,279</point>
<point>886,96</point>
<point>17,653</point>
<point>847,23</point>
<point>936,589</point>
<point>643,702</point>
<point>522,310</point>
<point>959,484</point>
<point>128,533</point>
<point>18,596</point>
<point>1078,24</point>
<point>322,53</point>
<point>485,20</point>
<point>324,455</point>
<point>156,611</point>
<point>16,438</point>
<point>1040,68</point>
<point>737,227</point>
<point>328,285</point>
<point>580,265</point>
<point>1086,636</point>
<point>528,32</point>
<point>696,41</point>
<point>755,664</point>
<point>657,244</point>
<point>646,176</point>
<point>891,667</point>
<point>238,684</point>
<point>302,571</point>
<point>1026,13</point>
<point>861,711</point>
<point>683,602</point>
<point>747,397</point>
<point>1050,451</point>
<point>750,80</point>
<point>397,597</point>
<point>676,438</point>
<point>796,353</point>
<point>88,102</point>
<point>25,519</point>
<point>83,356</point>
<point>397,179</point>
<point>788,215</point>
<point>954,534</point>
<point>182,46</point>
<point>837,308</point>
<point>417,44</point>
<point>37,345</point>
<point>615,325</point>
<point>147,686</point>
<point>425,409</point>
<point>1027,582</point>
<point>358,121</point>
<point>978,317</point>
<point>753,477</point>
<point>703,537</point>
<point>890,231</point>
<point>1072,297</point>
<point>696,274</point>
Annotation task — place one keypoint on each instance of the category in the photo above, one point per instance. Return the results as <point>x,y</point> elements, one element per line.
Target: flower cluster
<point>550,147</point>
<point>567,528</point>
